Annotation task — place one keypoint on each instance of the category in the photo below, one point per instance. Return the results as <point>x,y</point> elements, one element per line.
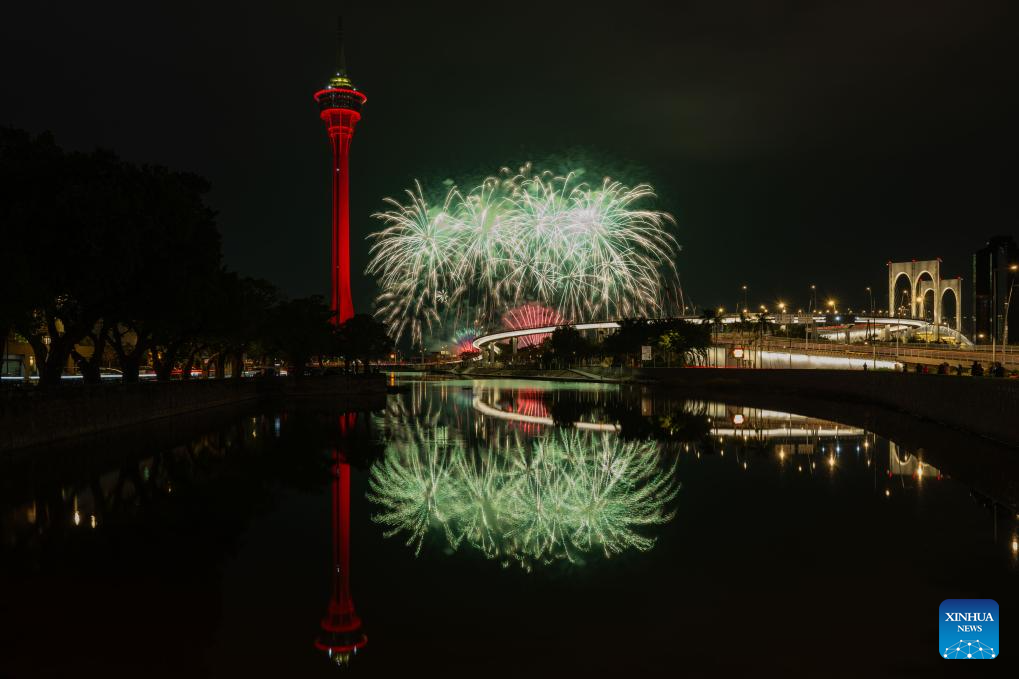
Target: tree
<point>633,333</point>
<point>108,253</point>
<point>169,286</point>
<point>567,344</point>
<point>678,339</point>
<point>681,340</point>
<point>246,311</point>
<point>66,211</point>
<point>362,338</point>
<point>298,330</point>
<point>26,163</point>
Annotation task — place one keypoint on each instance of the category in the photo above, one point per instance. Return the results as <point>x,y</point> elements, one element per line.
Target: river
<point>500,527</point>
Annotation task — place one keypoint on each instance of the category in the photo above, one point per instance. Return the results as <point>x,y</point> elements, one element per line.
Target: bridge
<point>863,327</point>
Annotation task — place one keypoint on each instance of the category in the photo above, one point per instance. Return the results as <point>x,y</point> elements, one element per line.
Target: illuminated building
<point>993,279</point>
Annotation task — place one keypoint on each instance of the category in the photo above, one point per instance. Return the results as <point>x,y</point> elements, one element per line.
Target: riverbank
<point>33,417</point>
<point>978,406</point>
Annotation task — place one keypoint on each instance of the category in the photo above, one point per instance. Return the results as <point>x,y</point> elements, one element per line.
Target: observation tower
<point>340,108</point>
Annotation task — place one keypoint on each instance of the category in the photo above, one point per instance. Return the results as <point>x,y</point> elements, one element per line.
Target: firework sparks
<point>531,316</point>
<point>584,252</point>
<point>463,340</point>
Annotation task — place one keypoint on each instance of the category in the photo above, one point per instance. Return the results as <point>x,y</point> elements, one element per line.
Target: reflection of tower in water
<point>342,635</point>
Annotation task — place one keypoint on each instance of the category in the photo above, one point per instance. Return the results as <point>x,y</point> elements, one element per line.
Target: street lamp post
<point>1008,301</point>
<point>746,306</point>
<point>870,320</point>
<point>717,329</point>
<point>923,316</point>
<point>783,323</point>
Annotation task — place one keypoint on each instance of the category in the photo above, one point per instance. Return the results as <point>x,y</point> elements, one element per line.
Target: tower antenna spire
<point>341,56</point>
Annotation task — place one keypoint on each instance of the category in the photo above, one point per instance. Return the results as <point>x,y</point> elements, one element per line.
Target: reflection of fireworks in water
<point>529,402</point>
<point>531,315</point>
<point>585,251</point>
<point>555,498</point>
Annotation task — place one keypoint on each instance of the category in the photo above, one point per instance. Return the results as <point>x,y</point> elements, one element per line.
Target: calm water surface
<point>498,527</point>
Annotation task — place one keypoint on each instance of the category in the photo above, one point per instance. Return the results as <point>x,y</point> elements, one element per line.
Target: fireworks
<point>583,252</point>
<point>463,340</point>
<point>552,499</point>
<point>531,316</point>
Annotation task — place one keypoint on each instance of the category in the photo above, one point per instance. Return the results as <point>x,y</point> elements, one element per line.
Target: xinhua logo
<point>968,629</point>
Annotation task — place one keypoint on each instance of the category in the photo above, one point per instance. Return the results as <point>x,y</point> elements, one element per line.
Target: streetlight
<point>812,305</point>
<point>745,294</point>
<point>871,319</point>
<point>782,320</point>
<point>1004,339</point>
<point>923,316</point>
<point>717,328</point>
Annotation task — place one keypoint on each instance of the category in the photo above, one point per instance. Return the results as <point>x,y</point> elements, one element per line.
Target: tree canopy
<point>114,259</point>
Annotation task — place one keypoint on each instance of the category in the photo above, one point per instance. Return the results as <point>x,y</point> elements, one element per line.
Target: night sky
<point>795,142</point>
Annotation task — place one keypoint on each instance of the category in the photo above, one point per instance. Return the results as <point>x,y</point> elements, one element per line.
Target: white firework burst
<point>586,252</point>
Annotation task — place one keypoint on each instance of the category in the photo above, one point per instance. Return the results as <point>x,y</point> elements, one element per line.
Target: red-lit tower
<point>342,635</point>
<point>340,108</point>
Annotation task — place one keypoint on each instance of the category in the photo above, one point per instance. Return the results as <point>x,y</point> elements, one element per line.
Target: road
<point>905,353</point>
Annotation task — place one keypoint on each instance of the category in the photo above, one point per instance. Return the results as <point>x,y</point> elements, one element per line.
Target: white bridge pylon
<point>914,272</point>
